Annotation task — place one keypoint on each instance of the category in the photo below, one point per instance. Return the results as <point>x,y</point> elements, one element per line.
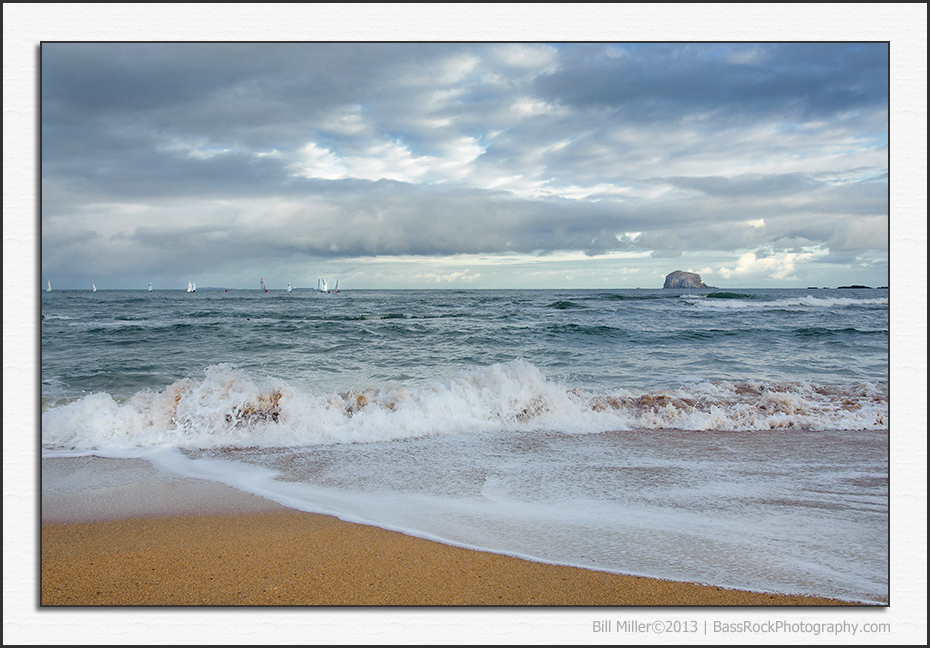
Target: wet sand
<point>284,557</point>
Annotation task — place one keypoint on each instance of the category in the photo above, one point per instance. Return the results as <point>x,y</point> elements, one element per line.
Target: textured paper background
<point>26,25</point>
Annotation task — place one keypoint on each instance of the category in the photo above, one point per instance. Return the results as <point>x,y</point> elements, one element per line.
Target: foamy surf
<point>228,407</point>
<point>740,301</point>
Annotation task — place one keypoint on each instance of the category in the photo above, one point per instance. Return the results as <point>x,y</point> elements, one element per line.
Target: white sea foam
<point>230,408</point>
<point>791,303</point>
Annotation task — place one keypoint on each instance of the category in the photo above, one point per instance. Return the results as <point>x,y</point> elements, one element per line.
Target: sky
<point>471,165</point>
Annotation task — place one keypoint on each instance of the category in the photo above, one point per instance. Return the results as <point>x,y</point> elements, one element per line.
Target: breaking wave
<point>229,408</point>
<point>805,302</point>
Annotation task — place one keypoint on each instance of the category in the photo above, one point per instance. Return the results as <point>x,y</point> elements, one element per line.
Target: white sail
<point>150,287</point>
<point>49,288</point>
<point>321,286</point>
<point>288,286</point>
<point>194,285</point>
<point>93,287</point>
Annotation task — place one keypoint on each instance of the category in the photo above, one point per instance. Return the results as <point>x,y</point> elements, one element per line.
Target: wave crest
<point>227,408</point>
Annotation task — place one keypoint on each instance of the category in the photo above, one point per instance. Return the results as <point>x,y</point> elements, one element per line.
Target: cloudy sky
<point>464,165</point>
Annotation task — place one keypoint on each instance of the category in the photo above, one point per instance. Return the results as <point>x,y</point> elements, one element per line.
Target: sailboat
<point>191,286</point>
<point>150,287</point>
<point>321,286</point>
<point>263,285</point>
<point>336,289</point>
<point>93,287</point>
<point>288,286</point>
<point>49,289</point>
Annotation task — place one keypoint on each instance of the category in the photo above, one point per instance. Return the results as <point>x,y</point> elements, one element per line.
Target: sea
<point>737,437</point>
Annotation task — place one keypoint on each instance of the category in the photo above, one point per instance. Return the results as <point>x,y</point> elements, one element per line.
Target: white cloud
<point>388,161</point>
<point>531,107</point>
<point>382,161</point>
<point>319,162</point>
<point>780,266</point>
<point>457,159</point>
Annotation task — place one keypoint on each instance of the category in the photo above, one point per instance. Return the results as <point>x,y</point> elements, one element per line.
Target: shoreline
<point>287,557</point>
<point>121,532</point>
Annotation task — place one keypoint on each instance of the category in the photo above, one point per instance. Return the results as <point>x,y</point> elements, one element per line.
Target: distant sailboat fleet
<point>322,286</point>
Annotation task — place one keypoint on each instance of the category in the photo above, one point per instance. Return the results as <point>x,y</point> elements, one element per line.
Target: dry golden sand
<point>294,558</point>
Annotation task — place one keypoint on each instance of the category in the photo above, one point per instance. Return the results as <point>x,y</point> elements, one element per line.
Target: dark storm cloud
<point>755,185</point>
<point>791,193</point>
<point>260,94</point>
<point>392,218</point>
<point>657,82</point>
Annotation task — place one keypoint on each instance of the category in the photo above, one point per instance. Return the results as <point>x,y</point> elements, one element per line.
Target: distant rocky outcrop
<point>681,279</point>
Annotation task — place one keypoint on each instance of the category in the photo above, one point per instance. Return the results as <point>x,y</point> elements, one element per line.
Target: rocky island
<point>681,279</point>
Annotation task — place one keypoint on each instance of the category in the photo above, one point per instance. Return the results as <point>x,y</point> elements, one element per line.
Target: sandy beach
<point>284,557</point>
<point>124,533</point>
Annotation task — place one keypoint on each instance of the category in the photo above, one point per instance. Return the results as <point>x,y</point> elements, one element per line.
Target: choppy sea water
<point>737,437</point>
